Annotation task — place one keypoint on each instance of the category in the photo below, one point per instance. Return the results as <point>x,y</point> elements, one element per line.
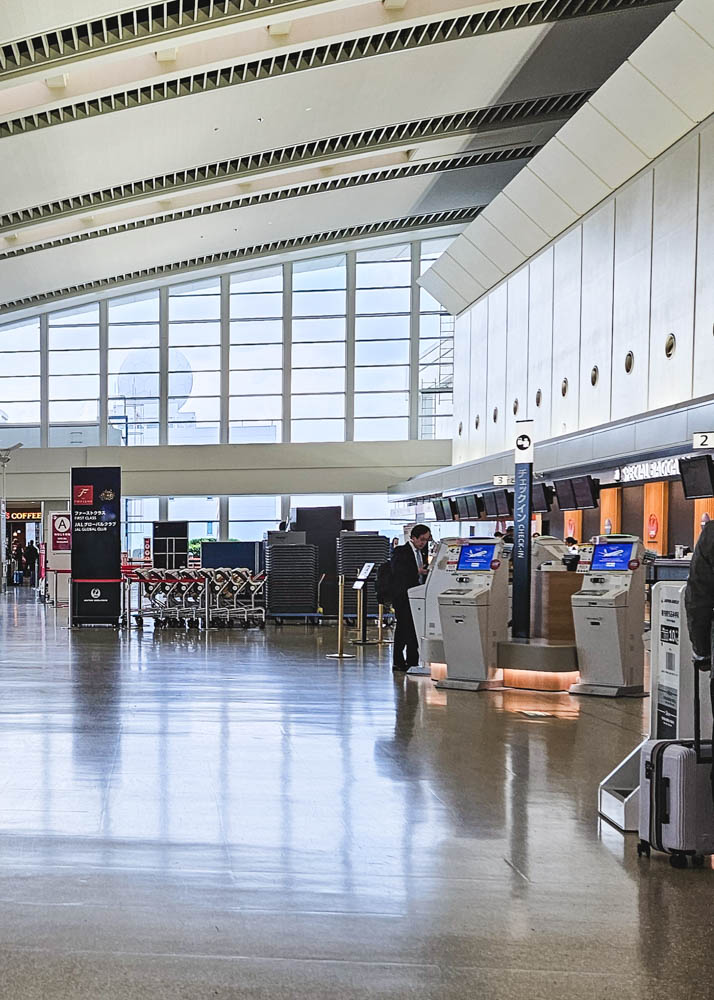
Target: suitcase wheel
<point>678,861</point>
<point>643,848</point>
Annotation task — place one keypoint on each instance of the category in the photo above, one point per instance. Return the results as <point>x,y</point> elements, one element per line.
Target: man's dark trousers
<point>404,635</point>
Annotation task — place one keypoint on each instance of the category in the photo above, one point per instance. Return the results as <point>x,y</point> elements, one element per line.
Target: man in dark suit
<point>408,570</point>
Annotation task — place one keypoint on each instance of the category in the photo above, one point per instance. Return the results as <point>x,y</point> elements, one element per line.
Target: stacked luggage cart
<point>195,598</point>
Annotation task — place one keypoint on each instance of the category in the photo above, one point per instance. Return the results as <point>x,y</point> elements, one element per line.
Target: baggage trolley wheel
<point>261,625</point>
<point>698,861</point>
<point>678,861</point>
<point>139,621</point>
<point>643,848</point>
<point>244,626</point>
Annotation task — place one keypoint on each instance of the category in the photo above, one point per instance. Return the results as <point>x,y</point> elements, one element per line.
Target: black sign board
<point>96,546</point>
<point>522,510</point>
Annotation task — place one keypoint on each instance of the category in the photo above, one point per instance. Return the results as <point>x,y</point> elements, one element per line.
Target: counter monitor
<point>473,506</point>
<point>585,491</point>
<point>611,557</point>
<point>565,494</point>
<point>462,508</point>
<point>476,557</point>
<point>697,476</point>
<point>542,498</point>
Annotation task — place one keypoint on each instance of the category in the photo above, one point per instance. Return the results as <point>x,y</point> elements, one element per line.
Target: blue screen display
<point>476,557</point>
<point>611,557</point>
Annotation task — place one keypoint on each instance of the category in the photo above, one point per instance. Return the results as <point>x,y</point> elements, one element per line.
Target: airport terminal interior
<point>356,479</point>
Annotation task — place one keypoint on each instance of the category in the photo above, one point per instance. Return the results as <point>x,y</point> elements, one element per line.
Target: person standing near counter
<point>409,567</point>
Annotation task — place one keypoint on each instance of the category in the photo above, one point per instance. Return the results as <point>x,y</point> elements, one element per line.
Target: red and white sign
<point>147,550</point>
<point>61,533</point>
<point>83,496</point>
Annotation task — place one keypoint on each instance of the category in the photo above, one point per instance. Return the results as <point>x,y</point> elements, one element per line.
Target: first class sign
<point>96,545</point>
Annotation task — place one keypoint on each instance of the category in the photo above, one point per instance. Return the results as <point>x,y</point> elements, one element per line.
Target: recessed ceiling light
<point>308,109</point>
<point>260,119</point>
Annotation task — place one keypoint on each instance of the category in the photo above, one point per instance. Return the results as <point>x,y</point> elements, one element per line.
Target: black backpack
<point>383,583</point>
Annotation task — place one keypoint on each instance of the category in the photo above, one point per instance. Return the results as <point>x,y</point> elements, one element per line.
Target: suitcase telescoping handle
<point>698,721</point>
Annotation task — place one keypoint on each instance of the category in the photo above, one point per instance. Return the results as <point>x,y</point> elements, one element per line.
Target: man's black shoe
<point>399,667</point>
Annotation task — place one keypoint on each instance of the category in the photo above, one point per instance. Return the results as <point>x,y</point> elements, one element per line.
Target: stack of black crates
<point>354,549</point>
<point>292,579</point>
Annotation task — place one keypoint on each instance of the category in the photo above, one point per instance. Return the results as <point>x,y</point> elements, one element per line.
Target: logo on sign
<point>83,496</point>
<point>96,592</point>
<point>523,442</point>
<point>62,525</point>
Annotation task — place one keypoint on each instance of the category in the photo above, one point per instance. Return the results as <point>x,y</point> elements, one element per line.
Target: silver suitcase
<point>676,804</point>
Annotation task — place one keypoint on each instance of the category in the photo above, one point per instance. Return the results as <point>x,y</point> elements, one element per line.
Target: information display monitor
<point>697,477</point>
<point>504,503</point>
<point>565,494</point>
<point>474,506</point>
<point>541,498</point>
<point>439,510</point>
<point>462,508</point>
<point>586,491</point>
<point>476,557</point>
<point>489,500</point>
<point>611,557</point>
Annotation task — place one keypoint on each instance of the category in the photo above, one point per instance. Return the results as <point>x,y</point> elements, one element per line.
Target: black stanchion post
<point>522,512</point>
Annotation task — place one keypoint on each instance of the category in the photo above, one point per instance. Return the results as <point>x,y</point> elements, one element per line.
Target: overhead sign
<point>524,451</point>
<point>638,472</point>
<point>504,480</point>
<point>23,515</point>
<point>96,546</point>
<point>703,439</point>
<point>61,533</point>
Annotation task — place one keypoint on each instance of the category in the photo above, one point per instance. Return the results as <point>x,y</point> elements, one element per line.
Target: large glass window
<point>133,364</point>
<point>74,377</point>
<point>256,356</point>
<point>138,523</point>
<point>318,350</point>
<point>251,516</point>
<point>202,515</point>
<point>20,383</point>
<point>436,355</point>
<point>382,344</point>
<point>372,512</point>
<point>195,362</point>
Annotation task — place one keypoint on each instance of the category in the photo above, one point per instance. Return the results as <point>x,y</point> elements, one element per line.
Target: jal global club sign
<point>640,472</point>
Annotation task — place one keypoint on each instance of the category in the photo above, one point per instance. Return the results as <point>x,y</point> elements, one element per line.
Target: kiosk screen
<point>476,557</point>
<point>611,557</point>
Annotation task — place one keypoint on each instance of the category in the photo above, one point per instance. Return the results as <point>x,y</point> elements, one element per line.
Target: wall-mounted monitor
<point>541,498</point>
<point>489,502</point>
<point>586,491</point>
<point>439,513</point>
<point>504,503</point>
<point>474,505</point>
<point>697,477</point>
<point>565,494</point>
<point>462,508</point>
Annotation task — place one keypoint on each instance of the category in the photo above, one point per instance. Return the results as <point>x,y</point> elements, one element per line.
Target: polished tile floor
<point>233,815</point>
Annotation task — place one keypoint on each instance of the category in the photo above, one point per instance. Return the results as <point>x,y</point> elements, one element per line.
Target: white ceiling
<point>113,149</point>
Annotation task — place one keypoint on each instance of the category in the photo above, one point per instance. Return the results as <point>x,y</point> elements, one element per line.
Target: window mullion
<point>225,342</point>
<point>414,318</point>
<point>103,372</point>
<point>164,366</point>
<point>287,349</point>
<point>351,282</point>
<point>44,381</point>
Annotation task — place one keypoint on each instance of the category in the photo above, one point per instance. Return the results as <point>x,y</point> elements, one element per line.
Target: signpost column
<point>522,511</point>
<point>96,546</point>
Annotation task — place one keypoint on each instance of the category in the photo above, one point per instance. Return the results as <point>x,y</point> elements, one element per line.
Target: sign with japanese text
<point>96,545</point>
<point>61,533</point>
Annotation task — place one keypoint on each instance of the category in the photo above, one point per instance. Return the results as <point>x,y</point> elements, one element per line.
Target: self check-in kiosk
<point>424,603</point>
<point>608,612</point>
<point>474,615</point>
<point>549,554</point>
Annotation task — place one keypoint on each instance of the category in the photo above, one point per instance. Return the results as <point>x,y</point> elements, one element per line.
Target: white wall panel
<point>479,378</point>
<point>673,267</point>
<point>704,314</point>
<point>540,342</point>
<point>496,382</point>
<point>516,352</point>
<point>462,371</point>
<point>566,331</point>
<point>596,316</point>
<point>631,306</point>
